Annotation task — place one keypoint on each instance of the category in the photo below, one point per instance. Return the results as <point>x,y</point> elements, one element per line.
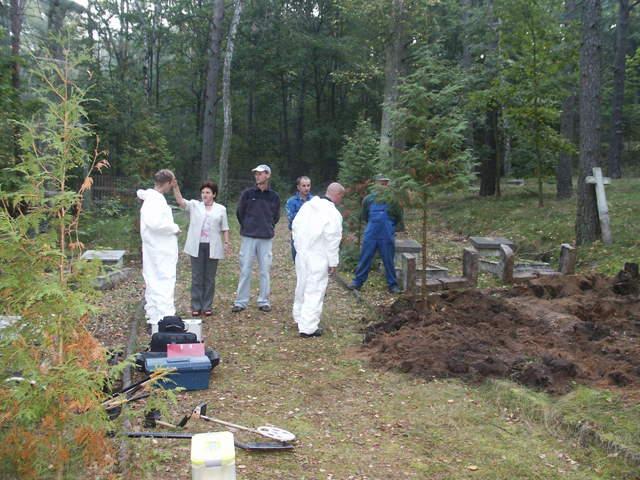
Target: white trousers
<point>159,272</point>
<point>312,272</point>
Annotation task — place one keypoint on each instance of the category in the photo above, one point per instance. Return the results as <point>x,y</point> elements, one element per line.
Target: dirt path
<point>352,421</point>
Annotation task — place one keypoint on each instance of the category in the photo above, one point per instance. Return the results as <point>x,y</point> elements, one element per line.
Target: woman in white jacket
<point>208,226</point>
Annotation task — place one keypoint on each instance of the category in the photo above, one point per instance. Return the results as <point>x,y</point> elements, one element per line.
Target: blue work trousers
<point>379,236</point>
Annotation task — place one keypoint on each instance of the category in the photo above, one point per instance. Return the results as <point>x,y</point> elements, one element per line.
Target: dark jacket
<point>258,212</point>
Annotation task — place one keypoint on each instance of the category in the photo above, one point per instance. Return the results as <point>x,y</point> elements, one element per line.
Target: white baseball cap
<point>262,168</point>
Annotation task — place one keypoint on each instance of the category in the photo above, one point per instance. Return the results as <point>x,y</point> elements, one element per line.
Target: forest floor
<point>357,419</point>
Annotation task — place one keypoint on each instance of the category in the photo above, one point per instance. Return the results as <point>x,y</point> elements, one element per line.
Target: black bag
<point>160,340</point>
<point>141,357</point>
<point>171,323</point>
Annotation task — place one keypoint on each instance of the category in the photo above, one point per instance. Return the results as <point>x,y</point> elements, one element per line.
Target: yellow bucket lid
<point>213,449</point>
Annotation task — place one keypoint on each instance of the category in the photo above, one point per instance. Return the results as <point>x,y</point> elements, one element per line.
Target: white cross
<point>603,210</point>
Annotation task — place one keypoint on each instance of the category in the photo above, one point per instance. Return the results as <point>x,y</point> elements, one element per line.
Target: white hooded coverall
<point>159,254</point>
<point>317,231</point>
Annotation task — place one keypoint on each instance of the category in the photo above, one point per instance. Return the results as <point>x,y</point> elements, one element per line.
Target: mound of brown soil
<point>546,335</point>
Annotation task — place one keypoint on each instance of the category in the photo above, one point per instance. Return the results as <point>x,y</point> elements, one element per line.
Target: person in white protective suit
<point>159,236</point>
<point>317,231</point>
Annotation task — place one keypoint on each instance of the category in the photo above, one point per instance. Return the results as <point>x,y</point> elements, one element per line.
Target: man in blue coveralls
<point>383,219</point>
<point>295,202</point>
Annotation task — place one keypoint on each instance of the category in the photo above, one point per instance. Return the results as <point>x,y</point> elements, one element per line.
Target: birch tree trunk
<point>587,227</point>
<point>226,100</point>
<point>208,154</point>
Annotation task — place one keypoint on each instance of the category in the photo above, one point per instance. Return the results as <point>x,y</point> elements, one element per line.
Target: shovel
<point>274,433</point>
<point>250,446</point>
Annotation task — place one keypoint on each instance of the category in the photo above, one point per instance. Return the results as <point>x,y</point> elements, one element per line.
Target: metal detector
<point>267,431</point>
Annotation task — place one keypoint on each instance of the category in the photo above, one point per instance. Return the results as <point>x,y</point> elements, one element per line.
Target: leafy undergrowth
<point>352,422</point>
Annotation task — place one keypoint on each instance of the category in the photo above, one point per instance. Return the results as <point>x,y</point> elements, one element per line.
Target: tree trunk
<point>208,154</point>
<point>226,101</point>
<point>587,227</point>
<point>488,162</point>
<point>394,60</point>
<point>284,134</point>
<point>568,120</point>
<point>17,17</point>
<point>619,66</point>
<point>564,170</point>
<point>498,151</point>
<point>55,20</point>
<point>299,130</point>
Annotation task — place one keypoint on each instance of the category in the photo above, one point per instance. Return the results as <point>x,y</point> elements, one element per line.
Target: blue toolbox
<point>192,373</point>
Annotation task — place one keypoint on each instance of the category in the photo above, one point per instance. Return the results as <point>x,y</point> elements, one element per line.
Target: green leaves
<point>52,411</point>
<point>431,119</point>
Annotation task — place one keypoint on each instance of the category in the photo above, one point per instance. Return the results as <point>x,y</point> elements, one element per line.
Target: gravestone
<point>470,265</point>
<point>490,246</point>
<point>110,258</point>
<point>507,259</point>
<point>407,277</point>
<point>567,259</point>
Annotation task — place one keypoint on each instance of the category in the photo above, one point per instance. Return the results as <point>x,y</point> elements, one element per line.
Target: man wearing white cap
<point>258,212</point>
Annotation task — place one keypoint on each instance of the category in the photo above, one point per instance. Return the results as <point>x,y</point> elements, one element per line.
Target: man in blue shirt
<point>303,184</point>
<point>383,220</point>
<point>258,212</point>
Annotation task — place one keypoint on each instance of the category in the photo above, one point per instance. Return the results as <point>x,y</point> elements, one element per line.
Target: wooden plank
<point>592,180</point>
<point>603,209</point>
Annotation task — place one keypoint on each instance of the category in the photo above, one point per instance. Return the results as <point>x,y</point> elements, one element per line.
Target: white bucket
<point>213,456</point>
<point>194,325</point>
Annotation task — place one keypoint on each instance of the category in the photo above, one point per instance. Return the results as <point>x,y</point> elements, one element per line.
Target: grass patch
<point>538,232</point>
<point>585,416</point>
<point>355,422</point>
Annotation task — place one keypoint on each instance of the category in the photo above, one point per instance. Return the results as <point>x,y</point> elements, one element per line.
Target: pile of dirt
<point>545,335</point>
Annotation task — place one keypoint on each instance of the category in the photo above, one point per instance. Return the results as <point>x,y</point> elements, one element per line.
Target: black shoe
<point>317,333</point>
<point>353,286</point>
<point>394,289</point>
<point>237,308</point>
<point>264,308</point>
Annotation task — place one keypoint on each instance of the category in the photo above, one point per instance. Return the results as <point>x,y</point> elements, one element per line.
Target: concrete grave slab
<point>490,246</point>
<point>114,258</point>
<point>515,181</point>
<point>407,245</point>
